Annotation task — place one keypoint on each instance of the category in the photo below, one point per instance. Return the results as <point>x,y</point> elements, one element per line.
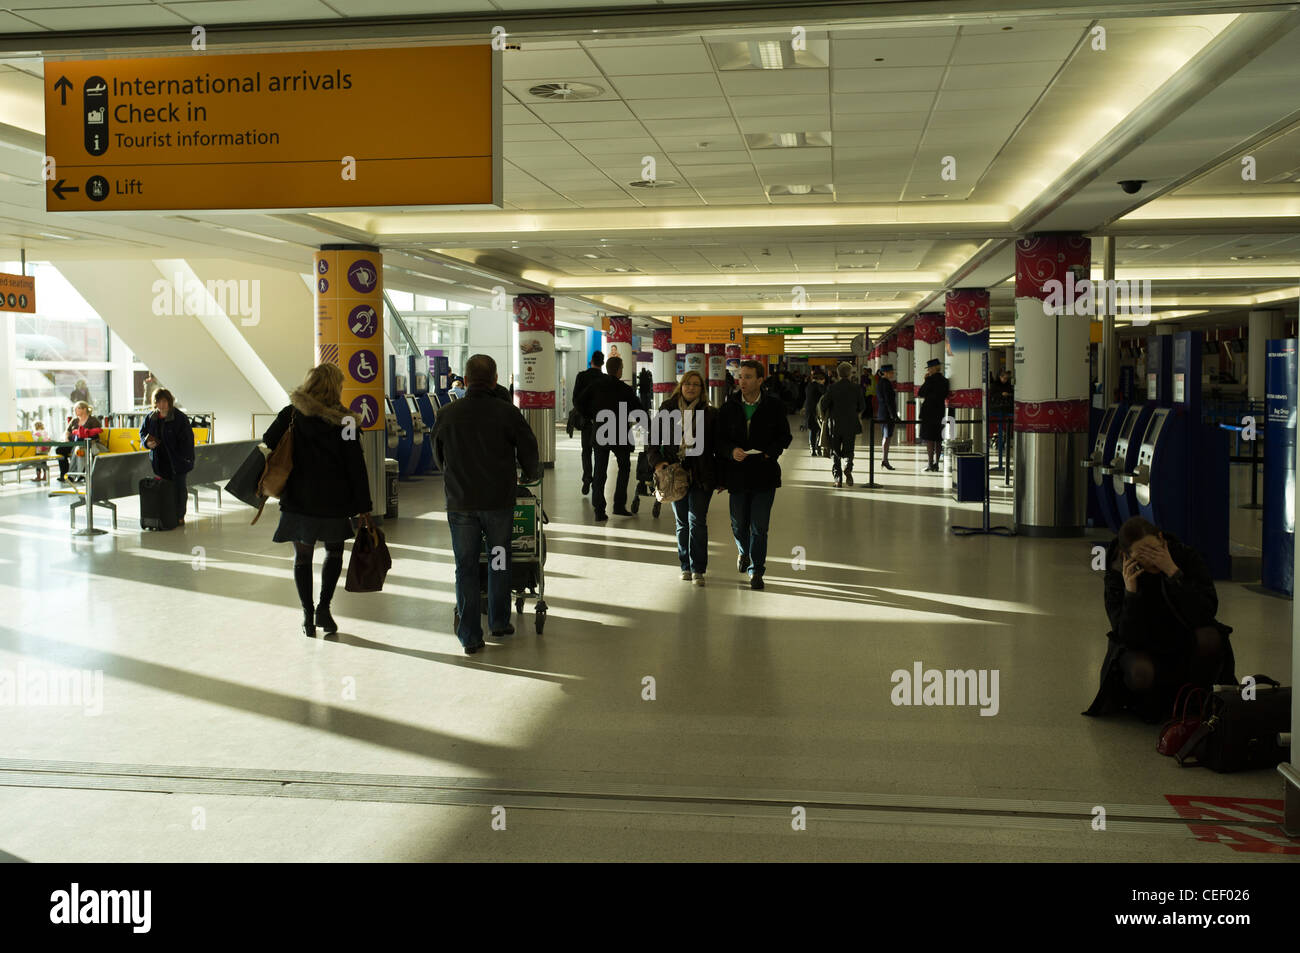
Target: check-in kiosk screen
<point>1129,420</point>
<point>1153,428</point>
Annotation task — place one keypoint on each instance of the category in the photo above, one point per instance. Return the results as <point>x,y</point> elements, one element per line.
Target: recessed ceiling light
<point>66,238</point>
<point>788,140</point>
<point>935,195</point>
<point>619,271</point>
<point>770,54</point>
<point>734,265</point>
<point>593,256</point>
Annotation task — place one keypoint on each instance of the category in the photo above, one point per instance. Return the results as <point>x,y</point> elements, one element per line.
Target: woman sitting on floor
<point>1161,603</point>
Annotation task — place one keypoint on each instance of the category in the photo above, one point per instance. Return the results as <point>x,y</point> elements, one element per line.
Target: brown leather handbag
<point>278,467</point>
<point>370,561</point>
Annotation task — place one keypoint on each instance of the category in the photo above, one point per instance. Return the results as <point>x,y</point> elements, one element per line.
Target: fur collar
<point>306,404</point>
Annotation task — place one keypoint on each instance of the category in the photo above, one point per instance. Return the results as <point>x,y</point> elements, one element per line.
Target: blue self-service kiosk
<point>1101,493</point>
<point>405,453</point>
<point>1160,352</point>
<point>1181,477</point>
<point>424,426</point>
<point>439,376</point>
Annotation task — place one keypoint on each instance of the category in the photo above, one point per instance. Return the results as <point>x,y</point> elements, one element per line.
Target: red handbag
<point>1175,732</point>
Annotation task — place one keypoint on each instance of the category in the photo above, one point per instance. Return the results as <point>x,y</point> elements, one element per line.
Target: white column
<point>8,383</point>
<point>1263,326</point>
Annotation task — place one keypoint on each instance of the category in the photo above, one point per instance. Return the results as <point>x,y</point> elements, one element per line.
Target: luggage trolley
<point>527,555</point>
<point>527,551</point>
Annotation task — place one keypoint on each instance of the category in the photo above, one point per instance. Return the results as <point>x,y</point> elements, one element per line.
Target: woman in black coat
<point>1161,603</point>
<point>327,485</point>
<point>169,437</point>
<point>697,434</point>
<point>932,394</point>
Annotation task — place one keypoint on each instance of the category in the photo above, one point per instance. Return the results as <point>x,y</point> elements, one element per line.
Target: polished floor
<point>226,735</point>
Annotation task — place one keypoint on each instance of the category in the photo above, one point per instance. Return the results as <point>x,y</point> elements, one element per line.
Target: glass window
<point>48,394</point>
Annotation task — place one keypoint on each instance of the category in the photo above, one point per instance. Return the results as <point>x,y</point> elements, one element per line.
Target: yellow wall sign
<point>764,344</point>
<point>349,297</point>
<point>707,329</point>
<point>336,129</point>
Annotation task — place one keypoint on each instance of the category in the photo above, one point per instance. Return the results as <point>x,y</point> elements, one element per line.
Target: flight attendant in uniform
<point>932,393</point>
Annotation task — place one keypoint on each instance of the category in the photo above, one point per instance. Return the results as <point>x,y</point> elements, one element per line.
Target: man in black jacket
<point>477,442</point>
<point>844,403</point>
<point>607,403</point>
<point>754,433</point>
<point>585,380</point>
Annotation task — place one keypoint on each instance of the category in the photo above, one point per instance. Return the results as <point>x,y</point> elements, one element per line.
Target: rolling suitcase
<point>157,504</point>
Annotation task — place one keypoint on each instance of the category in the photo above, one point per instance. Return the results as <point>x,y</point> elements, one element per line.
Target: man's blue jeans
<point>468,529</point>
<point>692,515</point>
<point>750,512</point>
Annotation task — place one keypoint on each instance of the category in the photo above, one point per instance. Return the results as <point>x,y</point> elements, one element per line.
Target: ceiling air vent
<point>566,92</point>
<point>652,184</point>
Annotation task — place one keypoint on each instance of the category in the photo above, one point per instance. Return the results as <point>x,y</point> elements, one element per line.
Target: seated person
<point>82,425</point>
<point>1161,603</point>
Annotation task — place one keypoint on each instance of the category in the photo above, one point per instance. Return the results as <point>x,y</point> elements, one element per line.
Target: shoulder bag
<point>278,467</point>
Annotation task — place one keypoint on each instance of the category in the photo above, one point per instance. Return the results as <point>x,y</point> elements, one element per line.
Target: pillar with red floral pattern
<point>664,368</point>
<point>1051,369</point>
<point>619,344</point>
<point>966,330</point>
<point>904,382</point>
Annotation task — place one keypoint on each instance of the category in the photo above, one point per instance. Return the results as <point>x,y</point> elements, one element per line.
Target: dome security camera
<point>1131,186</point>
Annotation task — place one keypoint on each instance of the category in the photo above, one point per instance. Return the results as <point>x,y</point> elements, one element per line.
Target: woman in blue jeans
<point>693,444</point>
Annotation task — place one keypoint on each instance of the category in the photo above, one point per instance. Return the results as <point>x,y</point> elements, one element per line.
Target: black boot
<point>325,620</point>
<point>302,580</point>
<point>329,577</point>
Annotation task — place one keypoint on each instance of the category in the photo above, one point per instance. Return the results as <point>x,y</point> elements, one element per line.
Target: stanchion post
<point>88,498</point>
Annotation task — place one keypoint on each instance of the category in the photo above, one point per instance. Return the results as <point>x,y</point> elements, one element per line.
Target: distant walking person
<point>754,433</point>
<point>477,443</point>
<point>886,411</point>
<point>816,390</point>
<point>932,393</point>
<point>697,454</point>
<point>169,437</point>
<point>584,381</point>
<point>844,402</point>
<point>327,485</point>
<point>607,403</point>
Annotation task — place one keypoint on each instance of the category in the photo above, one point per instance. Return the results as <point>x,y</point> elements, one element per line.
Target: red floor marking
<point>1268,838</point>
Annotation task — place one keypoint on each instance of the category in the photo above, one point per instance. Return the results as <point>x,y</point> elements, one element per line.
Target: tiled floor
<point>783,694</point>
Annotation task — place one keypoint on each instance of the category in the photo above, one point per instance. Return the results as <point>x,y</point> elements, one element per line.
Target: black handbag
<point>1238,735</point>
<point>243,485</point>
<point>370,561</point>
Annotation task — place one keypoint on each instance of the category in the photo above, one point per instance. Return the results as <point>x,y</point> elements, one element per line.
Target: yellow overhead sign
<point>764,344</point>
<point>337,129</point>
<point>707,329</point>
